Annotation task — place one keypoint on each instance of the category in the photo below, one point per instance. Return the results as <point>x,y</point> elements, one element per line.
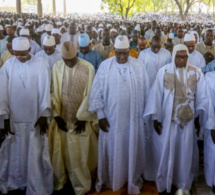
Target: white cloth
<point>119,94</point>
<point>42,38</point>
<point>197,59</point>
<point>68,37</point>
<point>149,33</point>
<point>175,150</point>
<point>52,59</point>
<point>209,146</point>
<point>59,47</point>
<point>35,48</point>
<point>24,97</point>
<point>154,61</point>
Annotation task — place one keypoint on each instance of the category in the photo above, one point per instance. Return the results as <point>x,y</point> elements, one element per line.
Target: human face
<point>72,29</point>
<point>71,62</point>
<point>106,36</point>
<point>62,30</point>
<point>122,55</point>
<point>22,56</point>
<point>49,50</point>
<point>181,58</point>
<point>85,50</point>
<point>165,29</point>
<point>135,37</point>
<point>209,37</point>
<point>180,33</point>
<point>190,46</point>
<point>57,38</point>
<point>10,31</point>
<point>142,44</point>
<point>155,46</point>
<point>154,24</point>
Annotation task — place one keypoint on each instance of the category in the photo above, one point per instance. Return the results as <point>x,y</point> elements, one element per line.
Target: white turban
<point>121,42</point>
<point>20,44</point>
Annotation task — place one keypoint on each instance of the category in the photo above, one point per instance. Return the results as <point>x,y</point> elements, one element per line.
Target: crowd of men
<point>122,102</point>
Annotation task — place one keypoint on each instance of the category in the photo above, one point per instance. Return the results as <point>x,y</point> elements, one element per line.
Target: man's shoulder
<point>86,64</point>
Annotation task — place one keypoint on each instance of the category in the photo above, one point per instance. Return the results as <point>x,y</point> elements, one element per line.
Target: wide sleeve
<point>153,108</point>
<point>83,114</point>
<point>201,100</point>
<point>209,78</point>
<point>44,90</point>
<point>96,100</point>
<point>4,99</point>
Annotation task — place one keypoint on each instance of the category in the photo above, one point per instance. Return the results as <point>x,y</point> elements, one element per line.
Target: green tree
<point>121,7</point>
<point>30,2</point>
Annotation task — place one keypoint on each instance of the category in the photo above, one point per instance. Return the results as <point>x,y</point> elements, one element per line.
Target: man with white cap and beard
<point>86,53</point>
<point>24,107</point>
<point>72,134</point>
<point>33,45</point>
<point>49,52</point>
<point>48,29</point>
<point>118,96</point>
<point>195,57</point>
<point>176,100</point>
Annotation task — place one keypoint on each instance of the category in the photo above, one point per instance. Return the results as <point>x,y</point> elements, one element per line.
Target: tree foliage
<point>126,8</point>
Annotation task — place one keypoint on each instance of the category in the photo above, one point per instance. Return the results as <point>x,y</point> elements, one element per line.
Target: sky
<point>81,6</point>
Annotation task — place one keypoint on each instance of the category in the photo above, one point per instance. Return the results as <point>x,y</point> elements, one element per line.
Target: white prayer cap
<point>8,26</point>
<point>62,27</point>
<point>20,44</point>
<point>19,24</point>
<point>109,25</point>
<point>24,32</point>
<point>171,36</point>
<point>113,30</point>
<point>84,40</point>
<point>59,23</point>
<point>100,25</point>
<point>20,19</point>
<point>189,37</point>
<point>49,27</point>
<point>1,27</point>
<point>18,27</point>
<point>121,42</point>
<point>49,41</point>
<point>100,29</point>
<point>56,31</point>
<point>179,47</point>
<point>39,29</point>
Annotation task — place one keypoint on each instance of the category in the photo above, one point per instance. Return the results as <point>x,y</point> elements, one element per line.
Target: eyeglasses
<point>121,53</point>
<point>181,57</point>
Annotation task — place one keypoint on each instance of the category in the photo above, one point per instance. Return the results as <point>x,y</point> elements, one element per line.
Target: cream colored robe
<point>72,154</point>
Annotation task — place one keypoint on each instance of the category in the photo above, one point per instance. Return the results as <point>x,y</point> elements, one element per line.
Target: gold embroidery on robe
<point>169,81</point>
<point>73,91</point>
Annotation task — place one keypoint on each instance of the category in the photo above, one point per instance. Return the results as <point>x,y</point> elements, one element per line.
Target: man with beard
<point>105,47</point>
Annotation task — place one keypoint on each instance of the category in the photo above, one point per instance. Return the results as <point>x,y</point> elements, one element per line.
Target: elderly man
<point>72,35</point>
<point>195,58</point>
<point>176,99</point>
<point>207,46</point>
<point>180,36</point>
<point>73,141</point>
<point>86,53</point>
<point>35,48</point>
<point>118,97</point>
<point>49,52</point>
<point>105,47</point>
<point>154,58</point>
<point>24,106</point>
<point>57,35</point>
<point>9,53</point>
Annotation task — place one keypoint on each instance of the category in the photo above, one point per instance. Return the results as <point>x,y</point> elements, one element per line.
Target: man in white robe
<point>176,98</point>
<point>49,52</point>
<point>48,29</point>
<point>25,105</point>
<point>35,48</point>
<point>118,96</point>
<point>195,57</point>
<point>57,35</point>
<point>154,58</point>
<point>72,35</point>
<point>209,133</point>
